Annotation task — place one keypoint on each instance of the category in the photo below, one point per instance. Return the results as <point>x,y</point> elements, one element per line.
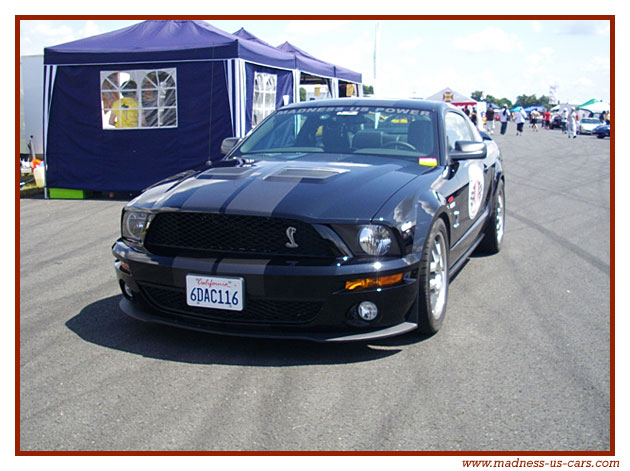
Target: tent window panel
<point>264,102</point>
<point>139,99</point>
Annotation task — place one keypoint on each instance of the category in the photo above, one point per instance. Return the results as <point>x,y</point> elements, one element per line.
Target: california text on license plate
<point>214,292</point>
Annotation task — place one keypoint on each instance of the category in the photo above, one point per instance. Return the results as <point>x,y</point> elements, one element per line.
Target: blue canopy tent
<point>306,63</point>
<point>529,109</point>
<point>130,107</point>
<point>337,78</point>
<point>287,91</point>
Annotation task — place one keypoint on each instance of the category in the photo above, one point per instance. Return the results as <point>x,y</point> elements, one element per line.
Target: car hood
<point>315,187</point>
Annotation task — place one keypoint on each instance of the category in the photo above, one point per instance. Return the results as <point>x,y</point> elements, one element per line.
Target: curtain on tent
<point>266,89</point>
<point>83,155</point>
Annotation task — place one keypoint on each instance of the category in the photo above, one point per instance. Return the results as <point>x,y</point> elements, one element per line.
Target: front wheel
<point>433,278</point>
<point>495,229</point>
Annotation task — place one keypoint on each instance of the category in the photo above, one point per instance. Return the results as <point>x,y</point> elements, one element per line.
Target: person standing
<point>572,122</point>
<point>504,116</point>
<point>490,120</point>
<point>547,116</point>
<point>473,116</point>
<point>125,111</point>
<point>534,119</point>
<point>564,117</point>
<point>519,119</point>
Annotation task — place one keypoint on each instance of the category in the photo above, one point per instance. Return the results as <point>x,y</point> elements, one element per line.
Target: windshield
<point>393,132</point>
<point>590,120</point>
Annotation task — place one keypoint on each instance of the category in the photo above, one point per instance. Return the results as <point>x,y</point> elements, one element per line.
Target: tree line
<point>522,100</point>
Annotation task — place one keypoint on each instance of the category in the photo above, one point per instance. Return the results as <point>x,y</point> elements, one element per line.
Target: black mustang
<point>333,220</point>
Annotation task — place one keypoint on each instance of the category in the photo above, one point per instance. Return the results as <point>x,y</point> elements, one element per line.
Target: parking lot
<point>522,361</point>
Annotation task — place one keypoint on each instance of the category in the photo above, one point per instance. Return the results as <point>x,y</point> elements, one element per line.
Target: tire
<point>433,280</point>
<point>600,136</point>
<point>495,229</point>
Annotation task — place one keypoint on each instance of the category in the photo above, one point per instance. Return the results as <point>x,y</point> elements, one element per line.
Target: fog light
<point>126,290</point>
<point>367,311</point>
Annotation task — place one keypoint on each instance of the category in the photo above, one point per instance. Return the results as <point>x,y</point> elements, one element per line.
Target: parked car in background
<point>556,122</point>
<point>602,131</point>
<point>334,220</point>
<point>587,125</point>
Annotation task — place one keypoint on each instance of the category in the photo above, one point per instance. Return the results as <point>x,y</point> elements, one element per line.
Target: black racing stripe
<point>230,198</point>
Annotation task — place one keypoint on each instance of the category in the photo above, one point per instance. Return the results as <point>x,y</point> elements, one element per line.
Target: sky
<point>503,58</point>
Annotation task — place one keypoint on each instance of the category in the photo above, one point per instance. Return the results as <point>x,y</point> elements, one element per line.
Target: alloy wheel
<point>438,282</point>
<point>500,217</point>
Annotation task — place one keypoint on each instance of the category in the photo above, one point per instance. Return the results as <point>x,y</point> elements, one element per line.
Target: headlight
<point>375,239</point>
<point>134,224</point>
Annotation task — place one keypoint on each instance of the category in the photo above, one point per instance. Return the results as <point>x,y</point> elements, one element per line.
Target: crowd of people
<point>567,119</point>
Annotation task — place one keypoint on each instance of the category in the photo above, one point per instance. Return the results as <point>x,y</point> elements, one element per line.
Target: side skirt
<point>455,267</point>
<point>452,271</point>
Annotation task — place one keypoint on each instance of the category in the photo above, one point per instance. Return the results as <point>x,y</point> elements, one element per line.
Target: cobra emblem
<point>291,236</point>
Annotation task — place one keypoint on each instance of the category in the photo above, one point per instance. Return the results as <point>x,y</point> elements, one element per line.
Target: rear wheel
<point>495,228</point>
<point>433,280</point>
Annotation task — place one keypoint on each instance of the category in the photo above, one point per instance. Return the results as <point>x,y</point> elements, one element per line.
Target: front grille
<point>256,310</point>
<point>205,234</point>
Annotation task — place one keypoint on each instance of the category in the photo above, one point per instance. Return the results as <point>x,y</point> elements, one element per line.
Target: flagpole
<point>377,40</point>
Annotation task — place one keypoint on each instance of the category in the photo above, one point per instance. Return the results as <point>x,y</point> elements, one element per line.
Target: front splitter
<point>136,312</point>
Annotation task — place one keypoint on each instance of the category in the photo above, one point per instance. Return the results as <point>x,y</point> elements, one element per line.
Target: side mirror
<point>465,150</point>
<point>229,143</point>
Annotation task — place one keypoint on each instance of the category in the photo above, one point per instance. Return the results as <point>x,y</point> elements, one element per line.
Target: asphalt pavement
<point>522,361</point>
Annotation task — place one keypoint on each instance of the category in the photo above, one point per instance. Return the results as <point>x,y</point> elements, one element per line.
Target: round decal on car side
<point>475,190</point>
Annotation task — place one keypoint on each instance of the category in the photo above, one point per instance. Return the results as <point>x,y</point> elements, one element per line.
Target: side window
<point>139,99</point>
<point>265,86</point>
<point>457,129</point>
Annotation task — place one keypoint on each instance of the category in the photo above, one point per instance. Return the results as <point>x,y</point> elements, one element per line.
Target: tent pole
<point>50,71</point>
<point>241,92</point>
<point>296,86</point>
<point>335,88</point>
<point>229,68</point>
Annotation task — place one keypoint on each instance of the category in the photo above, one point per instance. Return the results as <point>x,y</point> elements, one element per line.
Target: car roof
<point>375,102</point>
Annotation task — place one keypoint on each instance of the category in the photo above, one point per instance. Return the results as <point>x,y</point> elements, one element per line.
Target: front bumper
<point>284,299</point>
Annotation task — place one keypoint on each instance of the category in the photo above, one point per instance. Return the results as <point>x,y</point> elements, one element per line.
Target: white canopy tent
<point>449,95</point>
<point>598,107</point>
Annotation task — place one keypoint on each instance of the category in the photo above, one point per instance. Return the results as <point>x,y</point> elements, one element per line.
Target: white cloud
<point>584,81</point>
<point>489,40</point>
<point>36,35</point>
<point>547,52</point>
<point>585,28</point>
<point>311,27</point>
<point>412,44</point>
<point>541,57</point>
<point>596,64</point>
<point>356,55</point>
<point>49,30</point>
<point>90,29</point>
<point>536,26</point>
<point>534,59</point>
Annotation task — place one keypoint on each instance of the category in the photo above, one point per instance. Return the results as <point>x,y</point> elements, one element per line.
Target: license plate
<point>214,292</point>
